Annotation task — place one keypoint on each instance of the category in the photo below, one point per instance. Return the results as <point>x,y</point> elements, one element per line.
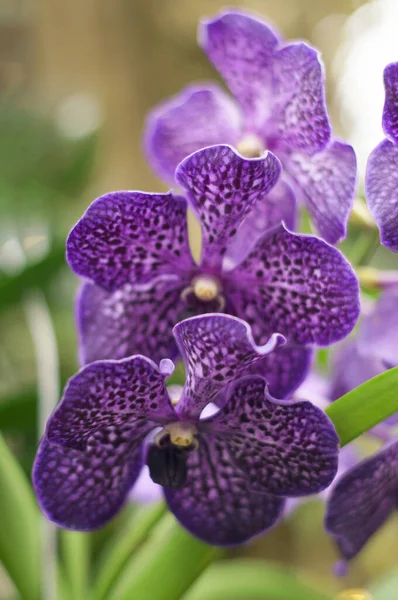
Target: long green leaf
<point>19,529</point>
<point>251,580</point>
<point>121,548</point>
<point>166,566</point>
<point>365,406</point>
<point>14,287</point>
<point>76,557</point>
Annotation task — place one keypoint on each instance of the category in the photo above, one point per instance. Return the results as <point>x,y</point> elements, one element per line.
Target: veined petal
<point>297,285</point>
<point>241,48</point>
<point>197,117</point>
<point>381,191</point>
<point>327,184</point>
<point>130,237</point>
<point>216,349</point>
<point>362,500</point>
<point>284,448</point>
<point>109,397</point>
<point>278,206</point>
<point>114,325</point>
<point>390,110</point>
<point>222,187</point>
<point>215,505</point>
<point>299,120</point>
<point>84,490</point>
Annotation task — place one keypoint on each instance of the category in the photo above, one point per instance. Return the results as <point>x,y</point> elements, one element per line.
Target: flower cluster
<point>244,319</point>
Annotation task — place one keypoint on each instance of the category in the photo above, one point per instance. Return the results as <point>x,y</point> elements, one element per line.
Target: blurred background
<point>76,80</point>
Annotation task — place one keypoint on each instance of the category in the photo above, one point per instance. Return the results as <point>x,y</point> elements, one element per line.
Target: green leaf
<point>19,531</point>
<point>122,546</point>
<point>251,580</point>
<point>76,558</point>
<point>13,287</point>
<point>365,406</point>
<point>166,566</point>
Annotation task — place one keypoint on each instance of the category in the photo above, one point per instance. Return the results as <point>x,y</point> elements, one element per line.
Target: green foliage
<point>19,530</point>
<point>251,580</point>
<point>166,566</point>
<point>365,406</point>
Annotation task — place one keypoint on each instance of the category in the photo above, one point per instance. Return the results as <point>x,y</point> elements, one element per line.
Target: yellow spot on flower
<point>354,594</point>
<point>250,146</point>
<point>206,288</point>
<point>181,434</point>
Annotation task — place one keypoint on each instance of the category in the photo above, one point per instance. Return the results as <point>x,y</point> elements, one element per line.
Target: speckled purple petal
<point>327,184</point>
<point>199,116</point>
<point>381,191</point>
<point>241,48</point>
<point>214,505</point>
<point>390,110</point>
<point>216,349</point>
<point>222,187</point>
<point>130,237</point>
<point>297,285</point>
<point>362,500</point>
<point>108,396</point>
<point>299,120</point>
<point>134,319</point>
<point>284,369</point>
<point>84,490</point>
<point>378,333</point>
<point>284,448</point>
<point>279,206</point>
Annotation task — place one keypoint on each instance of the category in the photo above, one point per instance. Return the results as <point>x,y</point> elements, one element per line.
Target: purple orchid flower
<point>94,446</point>
<point>381,182</point>
<point>134,247</point>
<point>279,105</point>
<point>362,500</point>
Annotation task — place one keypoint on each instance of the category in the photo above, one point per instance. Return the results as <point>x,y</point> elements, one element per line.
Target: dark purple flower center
<point>167,463</point>
<point>203,295</point>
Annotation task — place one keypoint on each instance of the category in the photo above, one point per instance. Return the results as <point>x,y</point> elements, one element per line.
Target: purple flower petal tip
<point>390,110</point>
<point>362,500</point>
<point>381,191</point>
<point>200,116</point>
<point>340,568</point>
<point>222,186</point>
<point>130,236</point>
<point>290,273</point>
<point>327,182</point>
<point>241,48</point>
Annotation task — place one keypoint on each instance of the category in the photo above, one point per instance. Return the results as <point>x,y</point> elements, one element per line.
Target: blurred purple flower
<point>361,501</point>
<point>279,105</point>
<point>224,477</point>
<point>372,351</point>
<point>134,247</point>
<point>381,182</point>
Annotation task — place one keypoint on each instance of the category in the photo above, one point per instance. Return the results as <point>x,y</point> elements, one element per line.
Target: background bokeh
<point>76,80</point>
